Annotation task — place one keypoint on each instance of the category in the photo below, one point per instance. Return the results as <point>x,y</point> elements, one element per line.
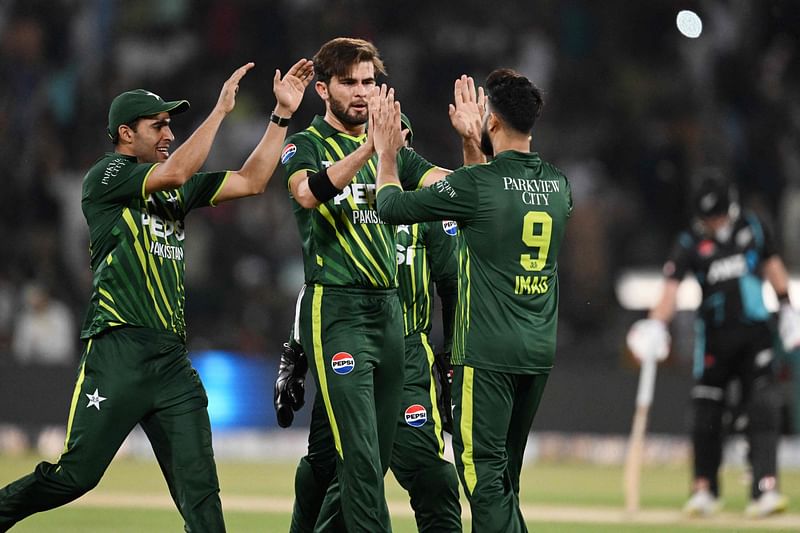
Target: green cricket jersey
<point>136,244</point>
<point>426,253</point>
<point>511,214</point>
<point>345,243</point>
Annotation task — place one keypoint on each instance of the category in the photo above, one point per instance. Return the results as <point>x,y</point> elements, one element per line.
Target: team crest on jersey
<point>705,247</point>
<point>343,363</point>
<point>288,153</point>
<point>416,415</point>
<point>450,227</point>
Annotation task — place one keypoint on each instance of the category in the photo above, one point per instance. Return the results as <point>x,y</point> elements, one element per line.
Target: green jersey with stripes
<point>345,243</point>
<point>426,253</point>
<point>136,244</point>
<point>511,215</point>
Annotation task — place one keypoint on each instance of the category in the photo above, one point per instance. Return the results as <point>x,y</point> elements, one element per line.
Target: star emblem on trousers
<point>95,399</point>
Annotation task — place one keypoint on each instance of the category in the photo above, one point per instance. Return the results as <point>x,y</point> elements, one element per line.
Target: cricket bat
<point>635,453</point>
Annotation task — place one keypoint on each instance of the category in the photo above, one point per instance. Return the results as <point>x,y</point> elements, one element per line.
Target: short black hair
<point>515,98</point>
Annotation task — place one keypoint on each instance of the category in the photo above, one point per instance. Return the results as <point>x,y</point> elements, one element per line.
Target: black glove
<point>290,387</point>
<point>443,374</point>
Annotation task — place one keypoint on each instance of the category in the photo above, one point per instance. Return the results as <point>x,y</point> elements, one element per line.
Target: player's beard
<point>486,143</point>
<point>340,112</point>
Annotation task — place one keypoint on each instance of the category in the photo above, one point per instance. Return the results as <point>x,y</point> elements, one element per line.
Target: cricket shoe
<point>702,503</point>
<point>769,503</point>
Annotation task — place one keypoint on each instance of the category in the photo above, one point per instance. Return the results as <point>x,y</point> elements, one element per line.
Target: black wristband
<point>783,298</point>
<point>321,186</point>
<point>280,121</point>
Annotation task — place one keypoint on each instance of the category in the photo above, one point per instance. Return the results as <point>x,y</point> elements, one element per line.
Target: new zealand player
<point>134,368</point>
<point>729,251</point>
<point>511,215</point>
<point>349,313</point>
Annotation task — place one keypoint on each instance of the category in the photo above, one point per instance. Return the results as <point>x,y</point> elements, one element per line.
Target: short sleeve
<point>679,261</point>
<point>300,153</point>
<point>119,181</point>
<point>201,189</point>
<point>412,168</point>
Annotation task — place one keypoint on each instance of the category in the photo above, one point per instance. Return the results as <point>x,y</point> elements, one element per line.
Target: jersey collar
<point>513,154</point>
<point>326,130</point>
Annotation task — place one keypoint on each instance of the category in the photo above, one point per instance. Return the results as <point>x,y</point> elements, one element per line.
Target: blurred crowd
<point>633,109</point>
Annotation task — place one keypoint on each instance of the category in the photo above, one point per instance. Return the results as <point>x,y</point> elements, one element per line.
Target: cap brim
<point>175,107</point>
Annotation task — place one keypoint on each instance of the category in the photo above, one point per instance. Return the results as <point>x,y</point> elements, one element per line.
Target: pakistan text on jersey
<point>531,284</point>
<point>534,192</point>
<point>166,251</point>
<point>366,216</point>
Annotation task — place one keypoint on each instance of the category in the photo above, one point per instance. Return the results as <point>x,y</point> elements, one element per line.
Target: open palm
<point>289,89</point>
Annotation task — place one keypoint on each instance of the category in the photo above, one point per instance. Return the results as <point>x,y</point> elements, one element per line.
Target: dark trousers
<point>354,341</point>
<point>743,354</point>
<point>493,415</point>
<point>130,376</point>
<point>417,458</point>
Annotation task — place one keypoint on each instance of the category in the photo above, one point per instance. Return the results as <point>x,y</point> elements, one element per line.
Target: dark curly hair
<point>515,98</point>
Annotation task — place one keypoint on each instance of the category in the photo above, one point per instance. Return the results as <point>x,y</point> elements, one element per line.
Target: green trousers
<point>130,376</point>
<point>354,342</point>
<point>493,415</point>
<point>417,457</point>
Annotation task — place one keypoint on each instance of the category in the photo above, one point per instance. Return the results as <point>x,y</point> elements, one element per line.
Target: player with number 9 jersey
<point>511,214</point>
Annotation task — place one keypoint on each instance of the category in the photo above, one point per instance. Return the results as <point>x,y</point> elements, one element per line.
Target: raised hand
<point>384,121</point>
<point>289,89</point>
<point>468,107</point>
<point>227,96</point>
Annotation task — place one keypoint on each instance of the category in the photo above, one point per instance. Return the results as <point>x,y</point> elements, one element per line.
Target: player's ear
<point>493,121</point>
<point>322,89</point>
<point>125,133</point>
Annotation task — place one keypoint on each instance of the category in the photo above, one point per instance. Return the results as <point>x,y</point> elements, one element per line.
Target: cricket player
<point>349,316</point>
<point>730,252</point>
<point>511,215</point>
<point>134,368</point>
<point>425,256</point>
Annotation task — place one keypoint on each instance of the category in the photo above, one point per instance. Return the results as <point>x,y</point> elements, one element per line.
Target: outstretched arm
<point>339,174</point>
<point>466,116</point>
<point>256,172</point>
<point>191,155</point>
<point>664,310</point>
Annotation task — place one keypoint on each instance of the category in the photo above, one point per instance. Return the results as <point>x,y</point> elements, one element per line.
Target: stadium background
<point>633,108</point>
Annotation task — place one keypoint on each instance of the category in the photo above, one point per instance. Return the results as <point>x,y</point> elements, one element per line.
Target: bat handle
<point>647,381</point>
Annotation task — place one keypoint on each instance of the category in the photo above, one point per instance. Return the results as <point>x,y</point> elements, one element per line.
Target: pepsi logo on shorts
<point>416,415</point>
<point>288,151</point>
<point>450,227</point>
<point>343,363</point>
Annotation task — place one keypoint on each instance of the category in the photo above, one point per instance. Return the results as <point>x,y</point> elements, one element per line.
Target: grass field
<point>257,497</point>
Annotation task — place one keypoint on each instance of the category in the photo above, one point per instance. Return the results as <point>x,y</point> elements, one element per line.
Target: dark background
<point>633,110</point>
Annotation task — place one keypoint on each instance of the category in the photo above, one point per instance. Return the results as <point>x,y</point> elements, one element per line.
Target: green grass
<point>594,487</point>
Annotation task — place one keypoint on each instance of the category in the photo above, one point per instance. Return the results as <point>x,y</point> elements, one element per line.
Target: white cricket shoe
<point>702,503</point>
<point>769,503</point>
